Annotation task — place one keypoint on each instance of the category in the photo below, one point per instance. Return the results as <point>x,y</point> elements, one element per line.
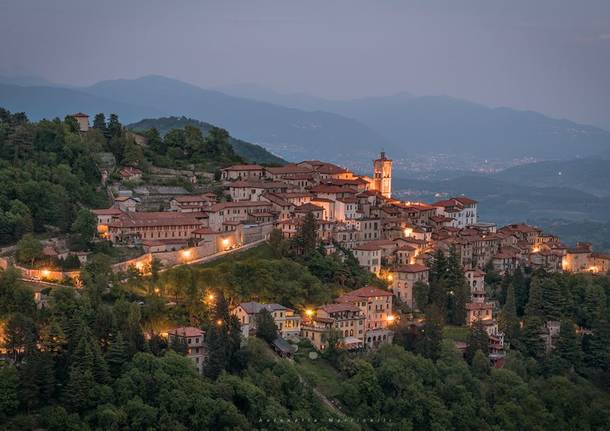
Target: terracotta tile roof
<point>256,307</point>
<point>162,218</point>
<point>412,268</point>
<point>479,306</point>
<point>289,169</point>
<point>187,331</point>
<point>259,184</point>
<point>250,167</point>
<point>331,189</point>
<point>193,198</point>
<point>107,211</point>
<point>339,307</point>
<point>368,247</point>
<point>238,204</point>
<point>363,292</point>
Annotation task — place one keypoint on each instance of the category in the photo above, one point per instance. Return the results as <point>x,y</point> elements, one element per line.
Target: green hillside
<point>250,152</point>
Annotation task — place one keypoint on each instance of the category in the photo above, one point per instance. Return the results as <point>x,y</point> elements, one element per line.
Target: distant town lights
<point>225,242</point>
<point>45,273</point>
<point>390,318</point>
<point>186,254</point>
<point>309,312</point>
<point>408,231</point>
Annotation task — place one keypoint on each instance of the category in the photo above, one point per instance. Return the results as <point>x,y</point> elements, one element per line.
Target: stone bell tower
<point>382,175</point>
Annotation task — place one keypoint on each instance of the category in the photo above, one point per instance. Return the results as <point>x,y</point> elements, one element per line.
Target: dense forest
<point>95,359</point>
<point>47,172</point>
<point>251,152</point>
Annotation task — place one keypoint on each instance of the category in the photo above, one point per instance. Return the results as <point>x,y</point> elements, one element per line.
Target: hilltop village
<point>189,280</point>
<point>394,240</point>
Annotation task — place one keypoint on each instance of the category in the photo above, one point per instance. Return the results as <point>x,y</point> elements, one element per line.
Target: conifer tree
<point>554,303</point>
<point>265,326</point>
<point>478,340</point>
<point>598,351</point>
<point>439,266</point>
<point>117,355</point>
<point>567,354</point>
<point>535,303</point>
<point>217,351</point>
<point>508,321</point>
<point>101,372</point>
<point>459,290</point>
<point>99,122</point>
<point>306,238</point>
<point>480,364</point>
<point>432,334</point>
<point>531,337</point>
<point>135,335</point>
<point>78,391</point>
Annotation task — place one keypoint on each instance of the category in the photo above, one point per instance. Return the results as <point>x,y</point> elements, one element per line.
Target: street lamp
<point>186,254</point>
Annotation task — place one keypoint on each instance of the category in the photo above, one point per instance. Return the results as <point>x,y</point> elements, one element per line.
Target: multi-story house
<point>369,256</point>
<point>376,305</point>
<point>236,212</point>
<point>403,278</point>
<point>194,340</point>
<point>288,322</point>
<point>346,319</point>
<point>242,172</point>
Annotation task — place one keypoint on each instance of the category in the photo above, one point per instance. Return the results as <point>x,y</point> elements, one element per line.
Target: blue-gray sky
<point>551,56</point>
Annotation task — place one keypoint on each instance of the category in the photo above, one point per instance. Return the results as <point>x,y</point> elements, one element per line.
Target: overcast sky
<point>551,56</point>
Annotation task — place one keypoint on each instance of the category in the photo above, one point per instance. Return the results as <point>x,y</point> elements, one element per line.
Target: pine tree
<point>598,352</point>
<point>554,303</point>
<point>265,326</point>
<point>305,239</point>
<point>115,128</point>
<point>432,334</point>
<point>521,290</point>
<point>531,337</point>
<point>439,266</point>
<point>478,340</point>
<point>535,303</point>
<point>480,364</point>
<point>117,355</point>
<point>508,321</point>
<point>78,391</point>
<point>135,335</point>
<point>459,290</point>
<point>101,372</point>
<point>217,351</point>
<point>567,354</point>
<point>45,377</point>
<point>99,123</point>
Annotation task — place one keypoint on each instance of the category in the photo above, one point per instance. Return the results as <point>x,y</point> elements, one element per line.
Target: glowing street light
<point>211,297</point>
<point>186,254</point>
<point>45,273</point>
<point>157,290</point>
<point>219,322</point>
<point>225,243</point>
<point>390,318</point>
<point>309,312</point>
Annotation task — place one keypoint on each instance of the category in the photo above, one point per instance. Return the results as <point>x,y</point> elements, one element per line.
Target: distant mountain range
<point>441,124</point>
<point>303,127</point>
<point>251,152</point>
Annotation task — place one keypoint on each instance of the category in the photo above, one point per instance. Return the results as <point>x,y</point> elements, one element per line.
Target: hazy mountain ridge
<point>442,124</point>
<point>251,152</point>
<point>588,175</point>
